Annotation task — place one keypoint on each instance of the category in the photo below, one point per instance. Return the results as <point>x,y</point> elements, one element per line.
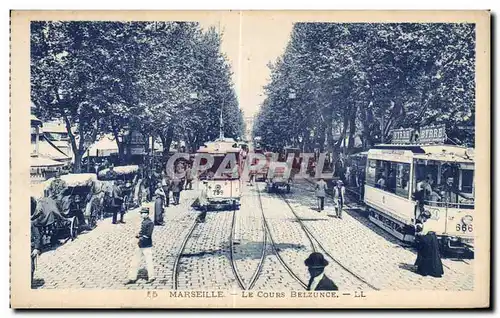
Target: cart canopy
<point>120,171</point>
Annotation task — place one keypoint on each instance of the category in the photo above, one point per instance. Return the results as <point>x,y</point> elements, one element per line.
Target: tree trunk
<point>77,166</point>
<point>352,129</point>
<point>74,148</point>
<point>121,146</point>
<point>166,140</point>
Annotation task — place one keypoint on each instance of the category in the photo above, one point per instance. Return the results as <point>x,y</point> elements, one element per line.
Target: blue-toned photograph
<point>207,156</point>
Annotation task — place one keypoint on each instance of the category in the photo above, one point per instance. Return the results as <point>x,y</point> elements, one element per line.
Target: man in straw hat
<point>316,264</point>
<point>144,247</point>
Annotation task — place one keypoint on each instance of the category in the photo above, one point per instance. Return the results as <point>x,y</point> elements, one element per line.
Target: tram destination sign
<point>432,134</point>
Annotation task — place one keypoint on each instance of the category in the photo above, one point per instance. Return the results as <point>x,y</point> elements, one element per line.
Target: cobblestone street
<point>360,255</point>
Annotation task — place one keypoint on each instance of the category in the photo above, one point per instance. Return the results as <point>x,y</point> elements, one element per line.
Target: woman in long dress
<point>159,199</point>
<point>428,261</point>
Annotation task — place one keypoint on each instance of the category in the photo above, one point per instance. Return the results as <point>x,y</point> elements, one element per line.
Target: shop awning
<point>48,150</point>
<point>102,148</point>
<point>44,162</point>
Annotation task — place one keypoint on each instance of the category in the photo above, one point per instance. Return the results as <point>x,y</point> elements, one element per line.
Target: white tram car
<point>392,175</point>
<point>225,189</point>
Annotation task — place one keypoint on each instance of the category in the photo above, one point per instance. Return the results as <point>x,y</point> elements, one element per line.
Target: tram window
<point>467,181</point>
<point>402,179</point>
<point>371,172</point>
<point>428,172</point>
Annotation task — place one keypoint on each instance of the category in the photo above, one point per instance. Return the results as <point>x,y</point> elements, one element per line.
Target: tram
<point>224,188</point>
<point>392,174</point>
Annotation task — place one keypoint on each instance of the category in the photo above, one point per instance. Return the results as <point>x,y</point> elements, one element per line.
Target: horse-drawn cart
<point>127,178</point>
<point>53,225</point>
<point>69,211</point>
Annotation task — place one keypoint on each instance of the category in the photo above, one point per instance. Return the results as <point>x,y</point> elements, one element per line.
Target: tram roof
<point>434,152</point>
<point>220,146</point>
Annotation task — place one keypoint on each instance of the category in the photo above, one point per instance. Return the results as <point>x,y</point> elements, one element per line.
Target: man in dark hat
<point>117,203</point>
<point>144,247</point>
<point>316,264</point>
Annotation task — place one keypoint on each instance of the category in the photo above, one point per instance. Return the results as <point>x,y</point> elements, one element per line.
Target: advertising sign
<point>432,134</point>
<point>402,136</point>
<point>137,143</point>
<point>137,150</point>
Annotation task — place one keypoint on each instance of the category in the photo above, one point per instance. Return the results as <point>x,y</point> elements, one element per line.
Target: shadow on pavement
<point>247,250</point>
<point>408,267</point>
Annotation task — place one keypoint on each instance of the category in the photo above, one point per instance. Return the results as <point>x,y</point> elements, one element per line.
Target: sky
<point>250,41</point>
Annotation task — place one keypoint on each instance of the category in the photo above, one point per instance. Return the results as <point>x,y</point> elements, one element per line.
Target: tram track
<point>175,274</point>
<point>273,244</point>
<point>234,268</point>
<point>238,278</point>
<point>321,247</point>
<point>255,276</point>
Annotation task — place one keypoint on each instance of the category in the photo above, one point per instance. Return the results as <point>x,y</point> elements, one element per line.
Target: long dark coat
<point>428,258</point>
<point>158,210</point>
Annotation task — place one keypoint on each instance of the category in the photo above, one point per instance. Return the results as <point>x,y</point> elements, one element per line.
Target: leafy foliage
<point>338,81</point>
<point>166,79</point>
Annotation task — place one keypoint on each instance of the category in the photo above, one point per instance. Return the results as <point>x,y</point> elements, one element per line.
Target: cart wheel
<point>126,203</point>
<point>73,232</point>
<point>92,221</point>
<point>235,205</point>
<point>287,188</point>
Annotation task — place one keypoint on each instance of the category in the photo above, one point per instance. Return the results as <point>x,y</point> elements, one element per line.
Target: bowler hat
<point>145,210</point>
<point>316,260</point>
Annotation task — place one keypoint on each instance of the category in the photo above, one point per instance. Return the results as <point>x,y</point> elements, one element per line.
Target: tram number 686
<point>464,227</point>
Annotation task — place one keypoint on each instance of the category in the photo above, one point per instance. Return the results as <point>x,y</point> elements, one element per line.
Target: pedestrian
<point>321,188</point>
<point>203,203</point>
<point>251,178</point>
<point>428,262</point>
<point>36,240</point>
<point>144,247</point>
<point>145,190</point>
<point>117,203</point>
<point>176,189</point>
<point>316,264</point>
<point>339,198</point>
<point>166,184</point>
<point>159,198</point>
<point>182,173</point>
<point>57,187</point>
<point>189,178</point>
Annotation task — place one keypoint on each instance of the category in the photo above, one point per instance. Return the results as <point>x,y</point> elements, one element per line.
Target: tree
<point>63,74</point>
<point>367,79</point>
